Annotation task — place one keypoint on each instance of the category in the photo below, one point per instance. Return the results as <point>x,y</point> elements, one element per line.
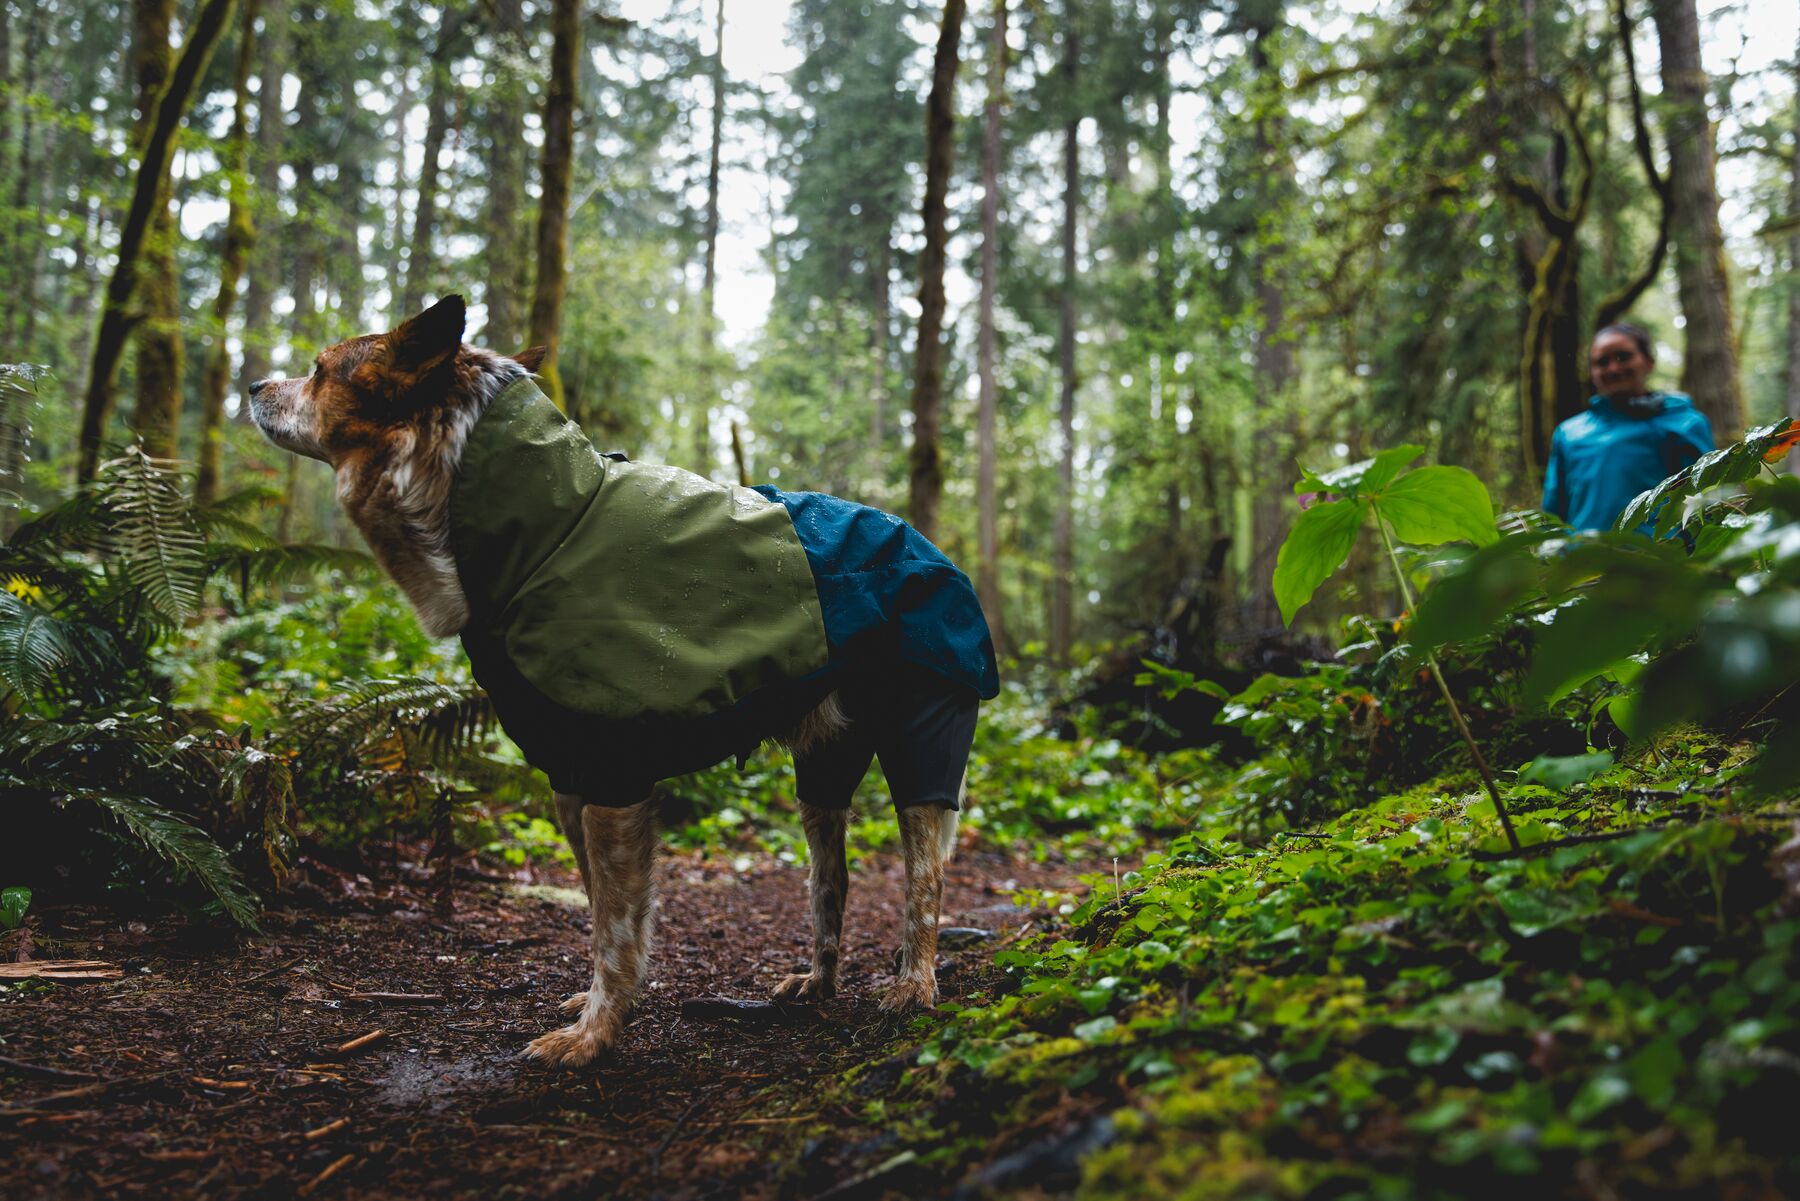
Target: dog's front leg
<point>829,883</point>
<point>620,844</point>
<point>568,812</point>
<point>922,838</point>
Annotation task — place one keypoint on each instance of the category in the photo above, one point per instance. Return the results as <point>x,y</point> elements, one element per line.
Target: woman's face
<point>1619,368</point>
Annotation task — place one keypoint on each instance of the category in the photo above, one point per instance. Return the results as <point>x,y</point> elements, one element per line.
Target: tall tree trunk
<point>22,249</point>
<point>1709,370</point>
<point>265,269</point>
<point>1275,364</point>
<point>927,470</point>
<point>240,235</point>
<point>157,415</point>
<point>1793,280</point>
<point>1166,217</point>
<point>1062,592</point>
<point>884,321</point>
<point>158,149</point>
<point>710,275</point>
<point>987,501</point>
<point>421,259</point>
<point>508,254</point>
<point>553,204</point>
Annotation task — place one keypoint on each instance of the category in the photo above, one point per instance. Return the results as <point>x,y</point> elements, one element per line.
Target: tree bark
<point>421,259</point>
<point>240,236</point>
<point>1793,281</point>
<point>157,150</point>
<point>710,271</point>
<point>157,413</point>
<point>508,253</point>
<point>1709,370</point>
<point>1275,362</point>
<point>1062,592</point>
<point>927,470</point>
<point>553,204</point>
<point>987,501</point>
<point>265,276</point>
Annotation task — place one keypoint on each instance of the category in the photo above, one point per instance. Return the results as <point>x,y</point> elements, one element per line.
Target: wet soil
<point>218,1066</point>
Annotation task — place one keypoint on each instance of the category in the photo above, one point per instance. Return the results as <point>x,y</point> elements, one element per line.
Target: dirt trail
<point>211,1070</point>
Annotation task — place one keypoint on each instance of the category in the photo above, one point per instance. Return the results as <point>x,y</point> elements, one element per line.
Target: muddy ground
<point>216,1066</point>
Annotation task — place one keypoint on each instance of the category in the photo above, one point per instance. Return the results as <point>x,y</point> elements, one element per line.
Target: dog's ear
<point>429,340</point>
<point>532,359</point>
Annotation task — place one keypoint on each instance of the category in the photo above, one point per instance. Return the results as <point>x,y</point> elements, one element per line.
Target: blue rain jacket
<point>1602,459</point>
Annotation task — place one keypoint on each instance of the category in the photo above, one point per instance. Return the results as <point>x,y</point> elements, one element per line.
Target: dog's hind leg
<point>568,812</point>
<point>923,841</point>
<point>621,844</point>
<point>829,883</point>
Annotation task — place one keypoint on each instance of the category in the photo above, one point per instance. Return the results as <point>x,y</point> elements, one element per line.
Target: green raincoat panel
<point>624,591</point>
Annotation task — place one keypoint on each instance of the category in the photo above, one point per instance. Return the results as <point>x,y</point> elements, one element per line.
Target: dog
<point>633,622</point>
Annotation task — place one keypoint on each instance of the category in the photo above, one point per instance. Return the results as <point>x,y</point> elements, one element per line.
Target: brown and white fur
<point>390,413</point>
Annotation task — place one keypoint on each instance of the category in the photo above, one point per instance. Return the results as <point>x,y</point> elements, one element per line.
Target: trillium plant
<point>1428,506</point>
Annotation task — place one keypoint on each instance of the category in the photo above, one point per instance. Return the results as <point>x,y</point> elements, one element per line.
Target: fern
<point>153,532</point>
<point>186,847</point>
<point>34,646</point>
<point>447,717</point>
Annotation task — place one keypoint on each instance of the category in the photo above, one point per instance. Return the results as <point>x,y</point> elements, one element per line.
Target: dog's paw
<point>806,989</point>
<point>910,992</point>
<point>571,1046</point>
<point>575,1003</point>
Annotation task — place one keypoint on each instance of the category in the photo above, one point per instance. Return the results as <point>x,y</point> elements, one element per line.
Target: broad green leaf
<point>1584,639</point>
<point>1565,771</point>
<point>1473,596</point>
<point>1438,504</point>
<point>1317,546</point>
<point>1356,478</point>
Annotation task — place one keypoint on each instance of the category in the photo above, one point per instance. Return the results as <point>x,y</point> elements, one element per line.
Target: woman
<point>1629,439</point>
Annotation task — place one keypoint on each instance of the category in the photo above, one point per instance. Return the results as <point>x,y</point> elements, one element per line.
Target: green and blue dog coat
<point>633,622</point>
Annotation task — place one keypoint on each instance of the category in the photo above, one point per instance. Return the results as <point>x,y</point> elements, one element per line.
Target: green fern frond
<point>224,529</point>
<point>276,563</point>
<point>78,524</point>
<point>185,847</point>
<point>153,533</point>
<point>241,502</point>
<point>447,716</point>
<point>34,646</point>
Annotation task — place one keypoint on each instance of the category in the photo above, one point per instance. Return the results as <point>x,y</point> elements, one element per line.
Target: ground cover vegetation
<point>1346,826</point>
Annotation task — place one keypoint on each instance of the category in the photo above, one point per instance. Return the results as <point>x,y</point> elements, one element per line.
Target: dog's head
<point>365,394</point>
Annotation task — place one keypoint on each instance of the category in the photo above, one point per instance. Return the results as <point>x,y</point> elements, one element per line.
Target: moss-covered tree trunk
<point>553,203</point>
<point>157,414</point>
<point>1062,583</point>
<point>926,474</point>
<point>239,237</point>
<point>148,195</point>
<point>1709,370</point>
<point>421,257</point>
<point>987,499</point>
<point>508,248</point>
<point>709,276</point>
<point>266,254</point>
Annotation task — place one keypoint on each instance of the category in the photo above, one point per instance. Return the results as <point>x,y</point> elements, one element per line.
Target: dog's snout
<point>258,386</point>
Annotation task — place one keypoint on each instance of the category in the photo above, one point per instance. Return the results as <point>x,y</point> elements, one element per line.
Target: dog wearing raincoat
<point>632,622</point>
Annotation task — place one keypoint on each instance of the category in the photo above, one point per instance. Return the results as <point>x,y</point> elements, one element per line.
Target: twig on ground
<point>328,1128</point>
<point>274,971</point>
<point>38,1069</point>
<point>397,998</point>
<point>331,1169</point>
<point>656,1156</point>
<point>357,1044</point>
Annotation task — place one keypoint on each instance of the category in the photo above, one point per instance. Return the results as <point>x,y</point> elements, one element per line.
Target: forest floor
<point>218,1066</point>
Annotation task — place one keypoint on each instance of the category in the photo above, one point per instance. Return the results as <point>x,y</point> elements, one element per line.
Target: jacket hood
<point>1672,402</point>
